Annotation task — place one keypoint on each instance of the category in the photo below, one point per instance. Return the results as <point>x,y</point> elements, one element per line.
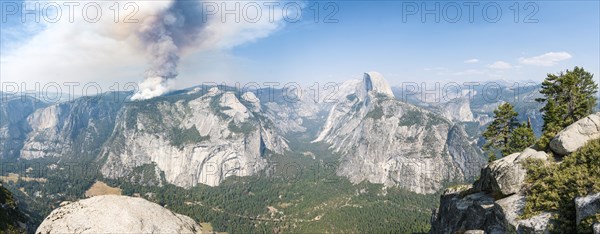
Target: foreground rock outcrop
<point>576,135</point>
<point>493,203</point>
<point>496,201</point>
<point>116,214</point>
<point>505,176</point>
<point>459,212</point>
<point>587,206</point>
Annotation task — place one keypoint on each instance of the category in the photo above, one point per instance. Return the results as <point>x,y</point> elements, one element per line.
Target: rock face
<point>386,141</point>
<point>512,208</point>
<point>576,135</point>
<point>536,224</point>
<point>116,214</point>
<point>374,82</point>
<point>182,138</point>
<point>587,206</point>
<point>596,228</point>
<point>465,209</point>
<point>506,175</point>
<point>458,109</point>
<point>459,213</point>
<point>203,136</point>
<point>191,139</point>
<point>72,129</point>
<point>13,123</point>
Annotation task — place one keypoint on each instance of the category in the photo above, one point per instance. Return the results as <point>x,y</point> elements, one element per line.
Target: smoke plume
<point>165,35</point>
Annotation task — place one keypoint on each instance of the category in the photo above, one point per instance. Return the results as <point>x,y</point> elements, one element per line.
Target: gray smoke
<point>164,37</point>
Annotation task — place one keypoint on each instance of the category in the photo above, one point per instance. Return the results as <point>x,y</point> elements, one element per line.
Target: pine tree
<point>569,96</point>
<point>497,134</point>
<point>521,138</point>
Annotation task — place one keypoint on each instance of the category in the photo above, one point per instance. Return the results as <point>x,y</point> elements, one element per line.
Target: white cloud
<point>500,65</point>
<point>546,60</point>
<point>107,52</point>
<point>471,60</point>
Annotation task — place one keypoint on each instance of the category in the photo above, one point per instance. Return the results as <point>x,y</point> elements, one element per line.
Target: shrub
<point>553,187</point>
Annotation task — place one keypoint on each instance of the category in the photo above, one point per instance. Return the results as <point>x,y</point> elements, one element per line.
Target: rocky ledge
<point>495,202</point>
<point>116,214</point>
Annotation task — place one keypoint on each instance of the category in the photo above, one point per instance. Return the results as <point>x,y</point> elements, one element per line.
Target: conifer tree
<point>521,138</point>
<point>569,96</point>
<point>498,133</point>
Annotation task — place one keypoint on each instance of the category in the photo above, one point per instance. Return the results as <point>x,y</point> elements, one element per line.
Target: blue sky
<point>370,36</point>
<point>373,36</point>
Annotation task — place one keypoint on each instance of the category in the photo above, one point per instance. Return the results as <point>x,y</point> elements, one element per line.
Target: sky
<point>345,39</point>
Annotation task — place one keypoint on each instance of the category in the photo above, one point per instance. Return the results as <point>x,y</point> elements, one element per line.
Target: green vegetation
<point>414,116</point>
<point>498,133</point>
<point>68,181</point>
<point>553,187</point>
<point>143,109</point>
<point>521,138</point>
<point>181,137</point>
<point>569,96</point>
<point>505,135</point>
<point>411,117</point>
<point>586,224</point>
<point>375,113</point>
<point>9,213</point>
<point>146,175</point>
<point>306,195</point>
